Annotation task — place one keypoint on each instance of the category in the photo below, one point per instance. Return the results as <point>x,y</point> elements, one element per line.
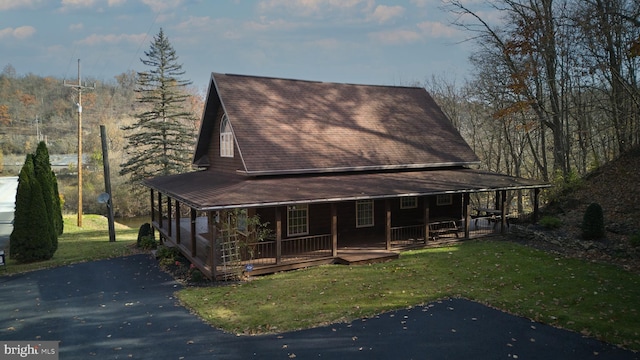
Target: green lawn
<point>91,242</point>
<point>593,299</point>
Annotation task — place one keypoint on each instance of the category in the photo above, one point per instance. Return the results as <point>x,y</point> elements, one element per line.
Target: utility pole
<point>107,183</point>
<point>79,87</point>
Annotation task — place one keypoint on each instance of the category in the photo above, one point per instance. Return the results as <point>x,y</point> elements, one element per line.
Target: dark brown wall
<point>320,216</point>
<point>222,164</point>
<point>453,211</point>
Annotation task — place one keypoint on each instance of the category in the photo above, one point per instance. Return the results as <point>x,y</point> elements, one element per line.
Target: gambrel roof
<point>286,126</point>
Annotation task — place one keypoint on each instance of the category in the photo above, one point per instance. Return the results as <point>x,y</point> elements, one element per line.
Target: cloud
<point>112,3</point>
<point>19,33</point>
<point>194,23</point>
<point>17,4</point>
<point>75,27</point>
<point>77,3</point>
<point>95,39</point>
<point>437,29</point>
<point>425,3</point>
<point>384,13</point>
<point>265,25</point>
<point>395,37</point>
<point>162,5</point>
<point>312,7</point>
<point>222,28</point>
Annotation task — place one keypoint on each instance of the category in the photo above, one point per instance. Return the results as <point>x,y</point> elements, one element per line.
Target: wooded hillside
<point>35,108</point>
<point>554,92</point>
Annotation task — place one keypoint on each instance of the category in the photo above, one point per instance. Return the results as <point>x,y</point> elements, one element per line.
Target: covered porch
<point>409,208</point>
<point>220,254</point>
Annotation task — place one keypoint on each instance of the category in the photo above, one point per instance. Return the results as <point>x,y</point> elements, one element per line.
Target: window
<point>446,199</point>
<point>226,138</point>
<point>364,213</point>
<point>297,220</point>
<point>410,202</point>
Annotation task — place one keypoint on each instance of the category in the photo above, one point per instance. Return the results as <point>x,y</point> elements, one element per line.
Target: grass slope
<point>597,300</point>
<point>91,242</point>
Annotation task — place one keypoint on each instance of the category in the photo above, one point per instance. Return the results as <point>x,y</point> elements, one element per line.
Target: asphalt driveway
<point>125,308</point>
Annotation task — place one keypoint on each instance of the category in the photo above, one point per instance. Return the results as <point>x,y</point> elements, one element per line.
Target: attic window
<point>226,138</point>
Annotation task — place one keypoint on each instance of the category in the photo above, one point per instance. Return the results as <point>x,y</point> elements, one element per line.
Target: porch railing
<point>308,246</point>
<point>402,236</point>
<point>292,250</point>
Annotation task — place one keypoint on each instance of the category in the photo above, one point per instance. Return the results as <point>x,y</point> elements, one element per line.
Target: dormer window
<point>226,138</point>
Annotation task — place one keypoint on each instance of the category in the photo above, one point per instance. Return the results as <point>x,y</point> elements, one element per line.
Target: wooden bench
<point>491,215</point>
<point>443,227</point>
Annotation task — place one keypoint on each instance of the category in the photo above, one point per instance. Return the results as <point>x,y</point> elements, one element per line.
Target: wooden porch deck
<point>349,252</point>
<point>364,256</point>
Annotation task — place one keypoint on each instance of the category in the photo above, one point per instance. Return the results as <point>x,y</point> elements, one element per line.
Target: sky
<point>380,42</point>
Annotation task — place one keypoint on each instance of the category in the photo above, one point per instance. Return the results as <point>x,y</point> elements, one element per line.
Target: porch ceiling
<point>206,190</point>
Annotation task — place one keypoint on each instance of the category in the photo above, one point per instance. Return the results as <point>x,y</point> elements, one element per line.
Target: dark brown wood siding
<point>453,211</point>
<point>222,164</point>
<point>347,221</point>
<point>320,217</point>
<point>407,217</point>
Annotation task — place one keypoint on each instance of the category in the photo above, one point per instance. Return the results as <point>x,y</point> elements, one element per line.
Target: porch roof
<point>205,190</point>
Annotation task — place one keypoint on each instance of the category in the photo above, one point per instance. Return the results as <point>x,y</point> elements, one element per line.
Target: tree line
<point>554,91</point>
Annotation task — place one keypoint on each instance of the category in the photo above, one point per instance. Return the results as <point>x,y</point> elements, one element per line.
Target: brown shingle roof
<point>206,190</point>
<point>294,126</point>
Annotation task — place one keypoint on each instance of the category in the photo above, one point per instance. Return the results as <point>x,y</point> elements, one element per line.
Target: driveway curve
<point>125,308</point>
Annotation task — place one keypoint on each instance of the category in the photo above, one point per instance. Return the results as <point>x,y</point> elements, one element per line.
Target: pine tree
<point>30,239</point>
<point>161,141</point>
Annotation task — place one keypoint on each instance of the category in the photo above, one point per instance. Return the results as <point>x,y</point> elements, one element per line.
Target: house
<point>335,170</point>
<point>8,189</point>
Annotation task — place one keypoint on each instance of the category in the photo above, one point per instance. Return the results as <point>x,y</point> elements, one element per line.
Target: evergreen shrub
<point>148,242</point>
<point>145,231</point>
<point>593,222</point>
<point>635,240</point>
<point>31,238</point>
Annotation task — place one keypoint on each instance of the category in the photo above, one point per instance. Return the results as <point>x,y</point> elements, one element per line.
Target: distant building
<point>8,187</point>
<point>59,162</point>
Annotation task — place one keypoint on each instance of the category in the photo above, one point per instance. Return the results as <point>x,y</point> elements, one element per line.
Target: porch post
<point>503,211</point>
<point>426,219</point>
<point>278,236</point>
<point>193,232</point>
<point>153,209</point>
<point>178,229</point>
<point>467,214</point>
<point>169,226</point>
<point>160,209</point>
<point>536,205</point>
<point>211,256</point>
<point>334,230</point>
<point>387,206</point>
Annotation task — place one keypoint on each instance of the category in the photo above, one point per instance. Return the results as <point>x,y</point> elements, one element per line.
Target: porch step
<point>365,257</point>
